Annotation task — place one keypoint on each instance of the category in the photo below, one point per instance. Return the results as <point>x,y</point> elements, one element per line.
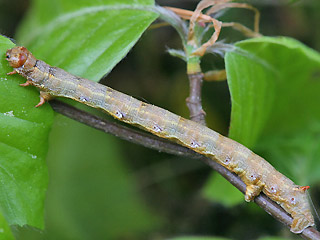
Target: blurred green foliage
<point>220,190</point>
<point>273,238</point>
<point>198,238</point>
<point>5,231</point>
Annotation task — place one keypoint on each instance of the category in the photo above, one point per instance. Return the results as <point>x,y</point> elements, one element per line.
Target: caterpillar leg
<point>27,83</point>
<point>13,72</point>
<point>300,222</point>
<point>252,191</point>
<point>44,97</point>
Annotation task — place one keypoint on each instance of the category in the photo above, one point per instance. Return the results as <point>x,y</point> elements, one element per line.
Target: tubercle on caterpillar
<point>255,172</point>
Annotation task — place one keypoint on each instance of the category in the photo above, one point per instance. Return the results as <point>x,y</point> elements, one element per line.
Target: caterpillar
<point>254,171</point>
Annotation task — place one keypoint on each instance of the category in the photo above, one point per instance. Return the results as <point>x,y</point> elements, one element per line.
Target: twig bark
<point>162,145</point>
<point>194,103</point>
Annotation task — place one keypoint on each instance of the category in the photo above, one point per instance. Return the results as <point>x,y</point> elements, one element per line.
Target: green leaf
<point>24,133</point>
<point>218,189</point>
<point>91,194</point>
<point>275,85</point>
<point>5,231</point>
<point>86,38</point>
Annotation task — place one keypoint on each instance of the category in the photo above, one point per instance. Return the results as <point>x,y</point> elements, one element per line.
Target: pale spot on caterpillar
<point>273,189</point>
<point>156,128</point>
<point>83,99</point>
<point>119,114</point>
<point>227,160</point>
<point>253,177</point>
<point>194,144</point>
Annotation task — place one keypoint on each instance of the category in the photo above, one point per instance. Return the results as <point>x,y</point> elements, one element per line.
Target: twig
<point>194,104</point>
<point>162,145</point>
<point>121,131</point>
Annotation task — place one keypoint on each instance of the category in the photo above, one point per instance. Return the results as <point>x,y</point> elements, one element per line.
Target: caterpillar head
<point>17,56</point>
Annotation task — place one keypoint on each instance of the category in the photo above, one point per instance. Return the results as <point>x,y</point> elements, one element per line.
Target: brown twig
<point>194,104</point>
<point>121,131</point>
<point>162,145</point>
